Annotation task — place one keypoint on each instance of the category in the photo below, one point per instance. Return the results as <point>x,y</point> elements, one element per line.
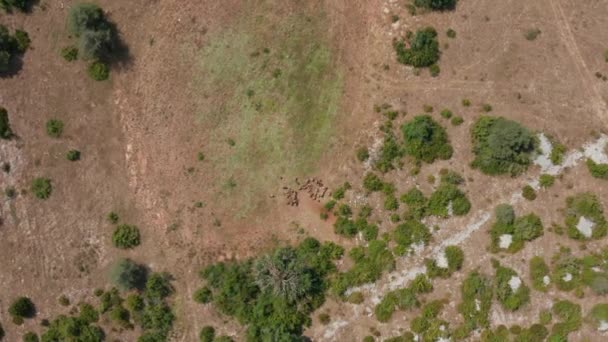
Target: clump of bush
<point>69,53</point>
<point>423,49</point>
<point>274,295</point>
<point>390,151</point>
<point>436,5</point>
<point>54,128</point>
<point>21,308</point>
<point>539,271</point>
<point>98,71</point>
<point>455,258</point>
<point>5,127</point>
<point>428,326</point>
<point>73,155</point>
<point>528,193</point>
<point>570,316</point>
<point>11,46</point>
<point>517,229</point>
<point>417,204</point>
<point>42,188</point>
<point>402,299</point>
<point>426,140</point>
<point>411,232</point>
<point>9,5</point>
<point>597,170</point>
<point>372,183</point>
<point>448,199</point>
<point>546,181</point>
<point>362,154</point>
<point>126,236</point>
<point>599,315</point>
<point>509,298</point>
<point>587,206</point>
<point>477,292</point>
<point>501,146</point>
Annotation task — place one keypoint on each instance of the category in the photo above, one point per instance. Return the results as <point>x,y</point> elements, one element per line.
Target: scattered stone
<point>603,326</point>
<point>567,277</point>
<point>585,226</point>
<point>442,260</point>
<point>514,283</point>
<point>505,241</point>
<point>546,280</point>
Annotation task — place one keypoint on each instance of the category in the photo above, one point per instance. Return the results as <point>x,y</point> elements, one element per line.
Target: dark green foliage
<point>207,334</point>
<point>1,332</point>
<point>128,275</point>
<point>598,314</point>
<point>22,40</point>
<point>437,5</point>
<point>557,153</point>
<point>528,193</point>
<point>30,337</point>
<point>344,210</point>
<point>570,317</point>
<point>546,180</point>
<point>391,203</point>
<point>402,299</point>
<point>5,128</point>
<point>451,33</point>
<point>538,271</point>
<point>535,332</point>
<point>75,329</point>
<point>42,188</point>
<point>455,259</point>
<point>426,140</point>
<point>588,206</point>
<point>372,183</point>
<point>423,49</point>
<point>54,128</point>
<point>510,300</point>
<point>98,71</point>
<point>597,170</point>
<point>338,194</point>
<point>477,293</point>
<point>457,121</point>
<point>8,5</point>
<point>135,303</point>
<point>275,294</point>
<point>95,35</point>
<point>369,265</point>
<point>203,295</point>
<point>158,286</point>
<point>446,113</point>
<point>69,53</point>
<point>434,70</point>
<point>330,205</point>
<point>73,155</point>
<point>365,212</point>
<point>88,313</point>
<point>428,325</point>
<point>126,236</point>
<point>416,202</point>
<point>409,233</point>
<point>22,307</point>
<point>521,229</point>
<point>448,194</point>
<point>501,146</point>
<point>389,152</point>
<point>346,227</point>
<point>567,272</point>
<point>362,154</point>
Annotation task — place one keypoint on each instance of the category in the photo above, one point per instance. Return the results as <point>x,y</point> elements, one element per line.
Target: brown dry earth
<point>138,139</point>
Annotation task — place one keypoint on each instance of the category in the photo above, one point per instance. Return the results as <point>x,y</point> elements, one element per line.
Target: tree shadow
<point>15,65</point>
<point>119,56</point>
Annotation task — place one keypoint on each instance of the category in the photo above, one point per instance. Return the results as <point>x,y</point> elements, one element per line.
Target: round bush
<point>99,71</point>
<point>54,128</point>
<point>22,307</point>
<point>42,188</point>
<point>126,236</point>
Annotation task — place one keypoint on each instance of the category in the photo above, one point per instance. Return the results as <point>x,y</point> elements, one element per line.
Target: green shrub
<point>588,206</point>
<point>455,258</point>
<point>42,187</point>
<point>203,295</point>
<point>451,33</point>
<point>448,195</point>
<point>466,102</point>
<point>113,217</point>
<point>457,121</point>
<point>446,113</point>
<point>135,303</point>
<point>22,307</point>
<point>88,313</point>
<point>570,317</point>
<point>501,146</point>
<point>23,40</point>
<point>557,153</point>
<point>426,140</point>
<point>402,299</point>
<point>344,210</point>
<point>434,70</point>
<point>207,334</point>
<point>128,275</point>
<point>88,23</point>
<point>5,128</point>
<point>546,180</point>
<point>69,53</point>
<point>63,300</point>
<point>362,154</point>
<point>389,152</point>
<point>528,193</point>
<point>421,284</point>
<point>532,34</point>
<point>158,286</point>
<point>510,299</point>
<point>30,337</point>
<point>538,271</point>
<point>329,206</point>
<point>409,233</point>
<point>54,128</point>
<point>73,155</point>
<point>477,293</point>
<point>66,328</point>
<point>126,236</point>
<point>391,203</point>
<point>98,71</point>
<point>423,49</point>
<point>486,107</point>
<point>521,229</point>
<point>417,204</point>
<point>21,5</point>
<point>597,170</point>
<point>598,315</point>
<point>372,183</point>
<point>437,5</point>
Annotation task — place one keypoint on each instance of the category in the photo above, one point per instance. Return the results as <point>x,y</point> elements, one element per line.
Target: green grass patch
<point>588,207</point>
<point>282,121</point>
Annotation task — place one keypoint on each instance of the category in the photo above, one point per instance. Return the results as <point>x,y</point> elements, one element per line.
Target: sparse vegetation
<point>509,233</point>
<point>532,34</point>
<point>54,128</point>
<point>451,33</point>
<point>22,307</point>
<point>73,155</point>
<point>587,206</point>
<point>597,170</point>
<point>510,296</point>
<point>454,257</point>
<point>98,71</point>
<point>437,5</point>
<point>539,273</point>
<point>69,53</point>
<point>528,193</point>
<point>546,181</point>
<point>501,146</point>
<point>5,127</point>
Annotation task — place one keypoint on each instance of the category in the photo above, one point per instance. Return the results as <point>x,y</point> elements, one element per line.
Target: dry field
<point>273,93</point>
